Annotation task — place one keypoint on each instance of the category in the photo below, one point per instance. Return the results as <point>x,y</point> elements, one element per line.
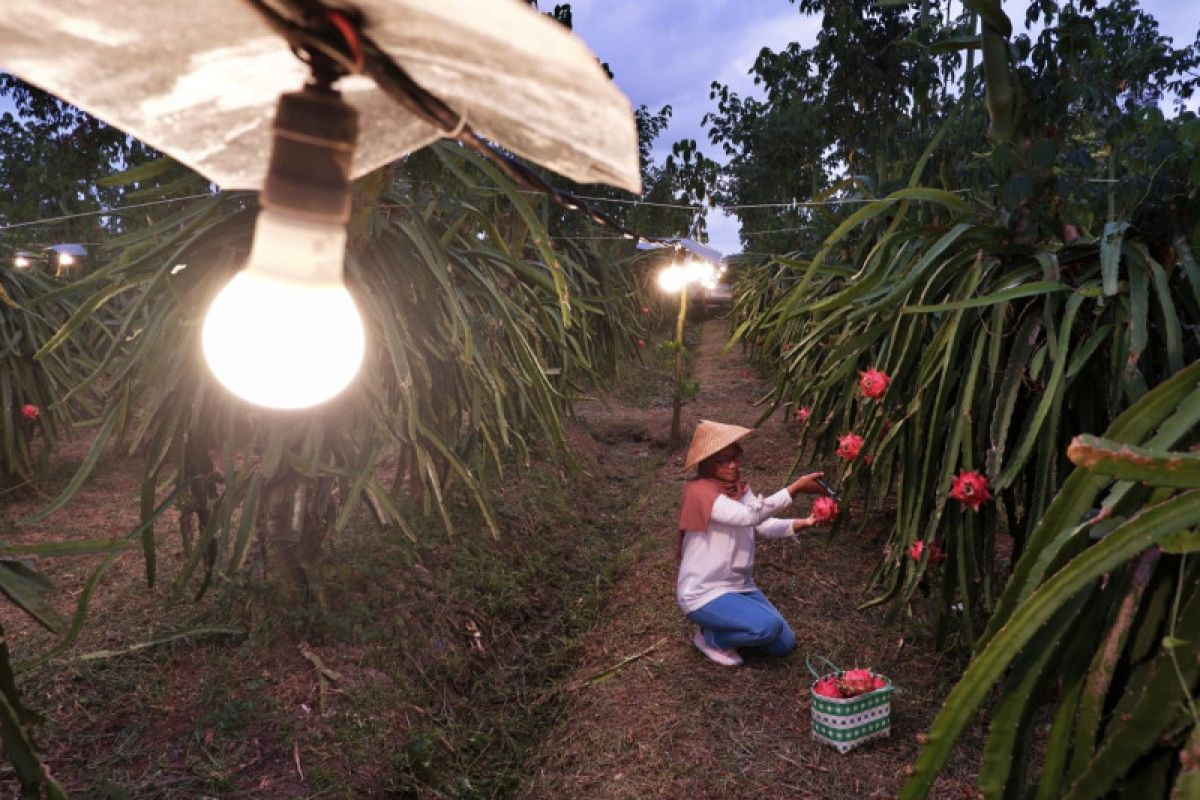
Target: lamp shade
<point>199,81</point>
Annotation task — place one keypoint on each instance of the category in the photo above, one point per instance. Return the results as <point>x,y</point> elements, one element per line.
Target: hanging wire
<point>100,212</point>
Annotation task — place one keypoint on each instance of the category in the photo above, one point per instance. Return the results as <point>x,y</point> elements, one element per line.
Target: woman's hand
<point>808,484</point>
<point>801,523</point>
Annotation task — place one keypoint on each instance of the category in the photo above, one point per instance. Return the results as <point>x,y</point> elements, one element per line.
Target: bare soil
<point>551,662</point>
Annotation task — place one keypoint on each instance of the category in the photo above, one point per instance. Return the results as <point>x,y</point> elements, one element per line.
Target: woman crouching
<point>717,526</point>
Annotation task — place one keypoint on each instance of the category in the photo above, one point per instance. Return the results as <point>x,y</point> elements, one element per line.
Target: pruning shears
<point>829,490</point>
<point>825,485</point>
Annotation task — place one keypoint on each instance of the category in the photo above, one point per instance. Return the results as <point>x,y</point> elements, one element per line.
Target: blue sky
<point>667,52</point>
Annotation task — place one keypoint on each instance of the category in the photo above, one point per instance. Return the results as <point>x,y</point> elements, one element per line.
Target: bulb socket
<point>312,149</point>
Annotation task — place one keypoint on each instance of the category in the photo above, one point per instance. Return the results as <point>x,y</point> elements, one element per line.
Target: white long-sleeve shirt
<point>721,559</point>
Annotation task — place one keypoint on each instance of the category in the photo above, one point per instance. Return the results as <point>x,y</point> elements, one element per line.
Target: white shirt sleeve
<point>775,528</point>
<point>750,510</point>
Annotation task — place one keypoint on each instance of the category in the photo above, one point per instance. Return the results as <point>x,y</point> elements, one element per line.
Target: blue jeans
<point>744,619</point>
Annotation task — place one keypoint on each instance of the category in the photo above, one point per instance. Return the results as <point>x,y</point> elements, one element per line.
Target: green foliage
<point>1088,640</point>
<point>841,118</point>
<point>475,348</point>
<point>990,349</point>
<point>51,155</point>
<point>1050,297</point>
<point>30,313</point>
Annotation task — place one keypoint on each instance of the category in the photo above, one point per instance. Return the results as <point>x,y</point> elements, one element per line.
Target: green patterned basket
<point>846,723</point>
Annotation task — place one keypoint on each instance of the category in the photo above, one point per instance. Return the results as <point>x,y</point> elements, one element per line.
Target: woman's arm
<point>806,484</point>
<point>750,510</point>
<point>779,528</point>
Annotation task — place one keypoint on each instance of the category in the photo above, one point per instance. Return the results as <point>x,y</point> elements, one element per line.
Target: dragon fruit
<point>827,687</point>
<point>824,509</point>
<point>849,445</point>
<point>971,489</point>
<point>802,414</point>
<point>30,412</point>
<point>873,383</point>
<point>855,682</point>
<point>936,556</point>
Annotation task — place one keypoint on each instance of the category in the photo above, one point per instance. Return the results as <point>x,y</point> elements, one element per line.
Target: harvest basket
<point>844,724</point>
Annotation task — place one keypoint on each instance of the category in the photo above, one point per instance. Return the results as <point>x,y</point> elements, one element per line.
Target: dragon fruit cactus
<point>855,682</point>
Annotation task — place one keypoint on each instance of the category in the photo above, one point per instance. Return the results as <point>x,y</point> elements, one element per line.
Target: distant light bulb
<point>66,259</point>
<point>701,272</point>
<point>21,262</point>
<point>285,333</point>
<point>672,279</point>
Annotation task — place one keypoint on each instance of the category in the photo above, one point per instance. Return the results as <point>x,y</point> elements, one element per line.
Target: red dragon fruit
<point>849,445</point>
<point>873,383</point>
<point>855,682</point>
<point>936,556</point>
<point>802,414</point>
<point>30,412</point>
<point>824,509</point>
<point>827,687</point>
<point>970,489</point>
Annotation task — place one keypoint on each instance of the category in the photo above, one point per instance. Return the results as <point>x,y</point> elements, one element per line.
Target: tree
<point>52,157</point>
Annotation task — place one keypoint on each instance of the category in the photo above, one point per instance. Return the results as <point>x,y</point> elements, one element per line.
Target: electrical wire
<point>100,212</point>
<point>350,34</point>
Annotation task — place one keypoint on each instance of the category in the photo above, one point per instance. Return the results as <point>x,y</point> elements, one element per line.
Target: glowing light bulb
<point>285,333</point>
<point>21,261</point>
<point>66,260</point>
<point>672,279</point>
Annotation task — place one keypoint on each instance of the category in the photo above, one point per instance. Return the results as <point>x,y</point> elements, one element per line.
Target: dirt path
<point>668,723</point>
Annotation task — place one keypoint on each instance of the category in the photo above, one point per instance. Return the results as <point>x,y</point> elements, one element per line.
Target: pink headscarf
<point>699,496</point>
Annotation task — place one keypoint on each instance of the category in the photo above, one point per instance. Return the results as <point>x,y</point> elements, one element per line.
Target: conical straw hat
<point>712,437</point>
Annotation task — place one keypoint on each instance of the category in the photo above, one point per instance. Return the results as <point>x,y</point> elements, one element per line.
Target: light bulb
<point>285,333</point>
<point>672,279</point>
<point>21,261</point>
